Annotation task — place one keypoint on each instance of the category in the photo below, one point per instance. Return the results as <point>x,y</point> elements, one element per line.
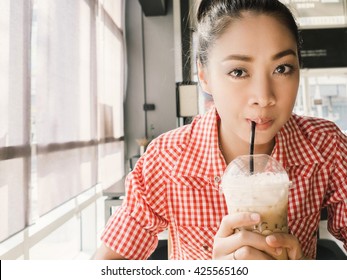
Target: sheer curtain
<point>110,89</point>
<point>61,109</point>
<point>14,115</point>
<point>65,120</point>
<point>78,98</point>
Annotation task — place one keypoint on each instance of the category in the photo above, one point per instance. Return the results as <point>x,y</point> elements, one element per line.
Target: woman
<point>249,61</point>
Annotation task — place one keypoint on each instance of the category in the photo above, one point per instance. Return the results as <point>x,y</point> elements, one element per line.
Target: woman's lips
<point>261,123</point>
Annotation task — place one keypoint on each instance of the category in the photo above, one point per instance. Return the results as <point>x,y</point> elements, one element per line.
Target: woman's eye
<point>238,73</point>
<point>284,69</point>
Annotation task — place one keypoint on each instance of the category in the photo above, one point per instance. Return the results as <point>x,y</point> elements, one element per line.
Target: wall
<point>151,73</point>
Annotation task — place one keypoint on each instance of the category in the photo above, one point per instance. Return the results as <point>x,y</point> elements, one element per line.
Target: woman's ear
<point>203,75</point>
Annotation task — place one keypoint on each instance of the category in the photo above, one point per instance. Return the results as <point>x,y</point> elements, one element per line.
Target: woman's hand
<point>287,242</point>
<point>233,244</point>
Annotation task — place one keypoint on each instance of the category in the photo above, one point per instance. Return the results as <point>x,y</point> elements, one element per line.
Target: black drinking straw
<point>251,149</point>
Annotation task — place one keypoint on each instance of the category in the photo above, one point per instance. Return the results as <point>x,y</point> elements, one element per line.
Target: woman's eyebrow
<point>284,53</point>
<point>238,57</point>
<point>250,59</point>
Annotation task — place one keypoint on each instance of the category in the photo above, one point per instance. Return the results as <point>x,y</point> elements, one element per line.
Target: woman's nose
<point>262,94</point>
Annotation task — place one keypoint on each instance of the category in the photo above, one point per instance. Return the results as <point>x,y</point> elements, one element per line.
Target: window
<point>61,120</point>
<point>14,116</point>
<point>323,94</point>
<point>319,13</point>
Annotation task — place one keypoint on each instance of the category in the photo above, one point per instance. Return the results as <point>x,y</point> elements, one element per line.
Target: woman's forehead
<point>254,34</point>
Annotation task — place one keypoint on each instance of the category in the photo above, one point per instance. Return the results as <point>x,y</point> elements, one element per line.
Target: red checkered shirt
<point>176,185</point>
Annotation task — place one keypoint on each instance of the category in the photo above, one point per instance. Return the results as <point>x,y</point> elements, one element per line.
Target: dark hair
<point>214,16</point>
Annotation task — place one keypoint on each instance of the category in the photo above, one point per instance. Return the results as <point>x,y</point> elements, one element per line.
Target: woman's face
<point>253,75</point>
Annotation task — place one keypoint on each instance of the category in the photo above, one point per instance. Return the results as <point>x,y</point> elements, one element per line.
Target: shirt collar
<point>293,148</point>
<point>201,156</point>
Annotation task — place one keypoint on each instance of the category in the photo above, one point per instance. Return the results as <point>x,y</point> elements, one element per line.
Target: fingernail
<point>271,238</point>
<point>278,251</point>
<point>255,217</point>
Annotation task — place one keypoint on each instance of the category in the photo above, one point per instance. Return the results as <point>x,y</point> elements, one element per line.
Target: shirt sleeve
<point>337,199</point>
<point>132,230</point>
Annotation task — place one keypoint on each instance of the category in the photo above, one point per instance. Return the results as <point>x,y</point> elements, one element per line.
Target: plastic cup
<point>265,191</point>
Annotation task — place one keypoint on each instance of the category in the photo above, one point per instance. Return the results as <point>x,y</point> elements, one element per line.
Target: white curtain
<point>65,119</point>
<point>110,88</point>
<point>61,109</point>
<point>14,115</point>
<point>79,98</point>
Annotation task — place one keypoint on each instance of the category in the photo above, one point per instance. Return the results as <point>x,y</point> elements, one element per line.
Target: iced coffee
<point>265,191</point>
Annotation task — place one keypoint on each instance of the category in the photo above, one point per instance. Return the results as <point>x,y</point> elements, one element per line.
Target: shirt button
<point>205,247</point>
<point>217,180</point>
